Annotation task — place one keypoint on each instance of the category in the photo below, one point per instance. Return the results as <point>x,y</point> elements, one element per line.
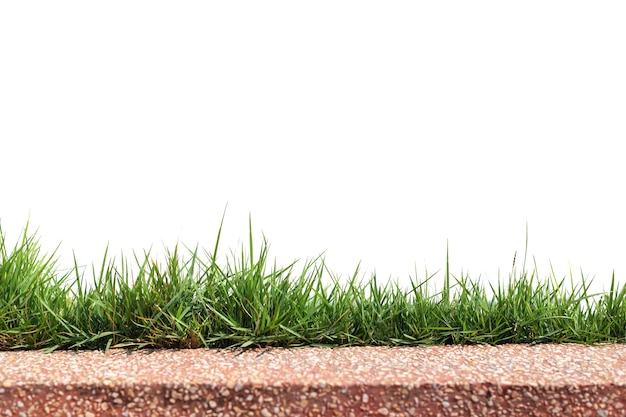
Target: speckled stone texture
<point>507,380</point>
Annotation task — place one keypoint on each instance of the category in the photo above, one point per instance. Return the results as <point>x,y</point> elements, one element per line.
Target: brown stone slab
<point>506,380</point>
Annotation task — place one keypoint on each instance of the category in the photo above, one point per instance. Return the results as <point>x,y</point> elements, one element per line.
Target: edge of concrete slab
<point>511,380</point>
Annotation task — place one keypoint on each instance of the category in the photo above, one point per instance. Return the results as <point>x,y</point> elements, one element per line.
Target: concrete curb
<point>507,380</point>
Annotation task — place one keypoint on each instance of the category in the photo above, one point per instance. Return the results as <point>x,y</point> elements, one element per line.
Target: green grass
<point>190,301</point>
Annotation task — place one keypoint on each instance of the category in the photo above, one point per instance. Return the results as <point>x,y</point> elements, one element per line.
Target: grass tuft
<point>191,301</point>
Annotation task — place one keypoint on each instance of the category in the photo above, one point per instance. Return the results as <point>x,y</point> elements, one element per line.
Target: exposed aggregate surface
<point>505,380</point>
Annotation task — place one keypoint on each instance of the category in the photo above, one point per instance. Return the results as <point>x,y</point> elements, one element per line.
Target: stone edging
<point>511,380</point>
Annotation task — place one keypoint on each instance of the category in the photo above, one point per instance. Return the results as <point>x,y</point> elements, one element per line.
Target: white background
<point>374,131</point>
